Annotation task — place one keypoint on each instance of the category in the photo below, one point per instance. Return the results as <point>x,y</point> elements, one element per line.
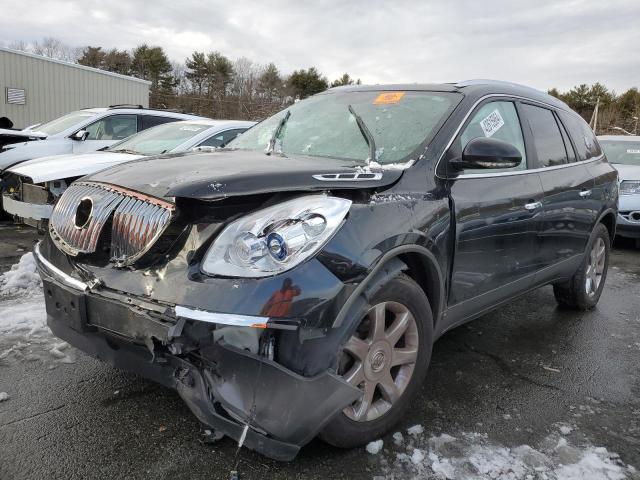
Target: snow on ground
<point>22,278</point>
<point>24,334</point>
<point>472,456</point>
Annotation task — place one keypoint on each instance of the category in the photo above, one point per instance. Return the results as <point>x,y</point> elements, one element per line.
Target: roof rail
<point>126,105</point>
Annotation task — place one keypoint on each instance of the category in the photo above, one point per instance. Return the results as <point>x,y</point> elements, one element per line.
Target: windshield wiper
<point>276,133</point>
<point>366,133</point>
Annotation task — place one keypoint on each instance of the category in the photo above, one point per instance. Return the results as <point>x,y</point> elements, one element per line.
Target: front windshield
<point>623,151</point>
<point>66,121</point>
<point>161,139</point>
<point>323,126</point>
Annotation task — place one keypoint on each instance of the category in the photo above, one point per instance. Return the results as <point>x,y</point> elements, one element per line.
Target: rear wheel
<point>583,291</point>
<point>387,359</point>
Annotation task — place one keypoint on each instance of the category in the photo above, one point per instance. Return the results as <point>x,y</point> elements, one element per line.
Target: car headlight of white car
<point>630,187</point>
<point>275,239</point>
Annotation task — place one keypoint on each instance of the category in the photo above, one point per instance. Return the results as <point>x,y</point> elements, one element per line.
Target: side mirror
<point>484,152</point>
<point>80,135</point>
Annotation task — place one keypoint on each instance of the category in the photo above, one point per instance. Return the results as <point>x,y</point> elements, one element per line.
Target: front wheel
<point>583,291</point>
<point>387,359</point>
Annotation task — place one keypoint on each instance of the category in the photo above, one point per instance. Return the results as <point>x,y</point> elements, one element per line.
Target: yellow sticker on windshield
<point>388,98</point>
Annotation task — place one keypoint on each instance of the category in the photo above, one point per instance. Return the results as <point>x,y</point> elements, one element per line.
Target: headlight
<point>277,238</point>
<point>630,187</point>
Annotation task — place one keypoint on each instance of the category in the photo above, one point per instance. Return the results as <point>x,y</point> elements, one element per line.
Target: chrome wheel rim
<point>595,267</point>
<point>379,359</point>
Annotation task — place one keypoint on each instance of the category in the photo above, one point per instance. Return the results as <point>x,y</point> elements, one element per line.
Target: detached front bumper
<point>30,213</point>
<point>229,390</point>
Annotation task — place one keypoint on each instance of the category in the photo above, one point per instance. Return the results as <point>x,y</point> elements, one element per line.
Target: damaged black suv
<point>292,284</point>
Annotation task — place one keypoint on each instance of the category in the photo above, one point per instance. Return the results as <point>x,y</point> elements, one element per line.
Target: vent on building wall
<point>16,96</point>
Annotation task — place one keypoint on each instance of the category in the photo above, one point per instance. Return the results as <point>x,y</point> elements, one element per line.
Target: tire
<point>577,293</point>
<point>399,295</point>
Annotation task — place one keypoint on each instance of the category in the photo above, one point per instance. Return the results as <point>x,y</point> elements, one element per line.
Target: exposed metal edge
<point>221,318</point>
<point>56,273</point>
<point>349,177</point>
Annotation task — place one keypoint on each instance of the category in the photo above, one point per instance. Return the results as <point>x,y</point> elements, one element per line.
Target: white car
<point>32,187</point>
<point>623,152</point>
<point>82,131</point>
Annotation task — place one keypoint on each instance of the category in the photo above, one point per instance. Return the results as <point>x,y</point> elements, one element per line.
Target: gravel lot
<point>561,383</point>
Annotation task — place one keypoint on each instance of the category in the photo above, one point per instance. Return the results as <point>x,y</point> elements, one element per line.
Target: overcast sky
<point>536,42</point>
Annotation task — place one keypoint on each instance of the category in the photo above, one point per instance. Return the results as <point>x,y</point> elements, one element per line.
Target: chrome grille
<point>137,224</point>
<point>138,221</point>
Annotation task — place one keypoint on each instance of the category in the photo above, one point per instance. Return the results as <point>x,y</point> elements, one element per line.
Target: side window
<point>222,138</point>
<point>547,138</point>
<point>496,120</point>
<point>114,127</point>
<point>149,121</point>
<point>571,154</point>
<point>585,141</point>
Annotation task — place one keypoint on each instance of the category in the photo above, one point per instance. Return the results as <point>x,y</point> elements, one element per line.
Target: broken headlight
<point>277,238</point>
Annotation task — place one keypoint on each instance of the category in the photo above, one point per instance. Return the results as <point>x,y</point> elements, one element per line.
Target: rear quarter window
<point>583,137</point>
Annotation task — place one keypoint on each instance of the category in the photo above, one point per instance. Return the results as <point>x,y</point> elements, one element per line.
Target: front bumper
<point>628,224</point>
<point>29,212</point>
<point>227,391</point>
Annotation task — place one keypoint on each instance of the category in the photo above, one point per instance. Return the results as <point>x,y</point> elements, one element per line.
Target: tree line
<point>206,83</point>
<point>213,85</point>
<point>617,113</point>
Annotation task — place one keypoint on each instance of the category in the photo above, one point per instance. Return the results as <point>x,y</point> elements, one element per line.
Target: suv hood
<point>57,167</point>
<point>227,173</point>
<point>627,172</point>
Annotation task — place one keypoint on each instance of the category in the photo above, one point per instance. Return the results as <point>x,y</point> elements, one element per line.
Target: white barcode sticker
<point>492,123</point>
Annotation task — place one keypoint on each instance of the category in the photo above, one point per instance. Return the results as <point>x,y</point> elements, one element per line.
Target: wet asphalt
<point>511,374</point>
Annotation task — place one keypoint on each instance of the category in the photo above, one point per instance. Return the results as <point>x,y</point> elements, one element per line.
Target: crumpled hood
<point>56,167</point>
<point>627,172</point>
<point>226,173</point>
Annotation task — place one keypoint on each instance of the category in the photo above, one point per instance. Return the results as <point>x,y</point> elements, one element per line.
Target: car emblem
<point>84,210</point>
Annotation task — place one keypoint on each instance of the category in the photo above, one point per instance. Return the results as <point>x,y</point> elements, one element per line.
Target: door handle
<point>533,205</point>
<point>585,193</point>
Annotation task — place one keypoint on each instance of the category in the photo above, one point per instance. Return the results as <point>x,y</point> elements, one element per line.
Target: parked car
<point>33,187</point>
<point>82,131</point>
<point>623,152</point>
<point>292,284</point>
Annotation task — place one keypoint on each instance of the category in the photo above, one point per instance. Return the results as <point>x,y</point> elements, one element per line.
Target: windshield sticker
<point>492,123</point>
<point>388,98</point>
<point>633,150</point>
<point>191,129</point>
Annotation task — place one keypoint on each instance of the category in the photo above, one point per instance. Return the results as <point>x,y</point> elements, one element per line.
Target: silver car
<point>82,131</point>
<point>623,152</point>
<point>33,187</point>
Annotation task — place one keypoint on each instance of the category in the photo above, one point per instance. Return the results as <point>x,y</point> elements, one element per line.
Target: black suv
<point>292,285</point>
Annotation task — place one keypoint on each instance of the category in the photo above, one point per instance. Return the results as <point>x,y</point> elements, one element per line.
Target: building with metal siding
<point>37,89</point>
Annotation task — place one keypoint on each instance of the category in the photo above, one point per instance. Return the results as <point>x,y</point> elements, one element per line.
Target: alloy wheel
<point>595,267</point>
<point>379,359</point>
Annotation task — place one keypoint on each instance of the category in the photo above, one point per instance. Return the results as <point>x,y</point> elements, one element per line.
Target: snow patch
<point>22,278</point>
<point>415,430</point>
<point>471,456</point>
<point>374,447</point>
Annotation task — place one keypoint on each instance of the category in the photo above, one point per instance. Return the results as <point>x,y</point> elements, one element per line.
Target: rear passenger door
<point>567,186</point>
<point>498,215</point>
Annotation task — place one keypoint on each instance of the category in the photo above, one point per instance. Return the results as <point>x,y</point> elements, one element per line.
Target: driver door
<point>498,217</point>
<point>106,131</point>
